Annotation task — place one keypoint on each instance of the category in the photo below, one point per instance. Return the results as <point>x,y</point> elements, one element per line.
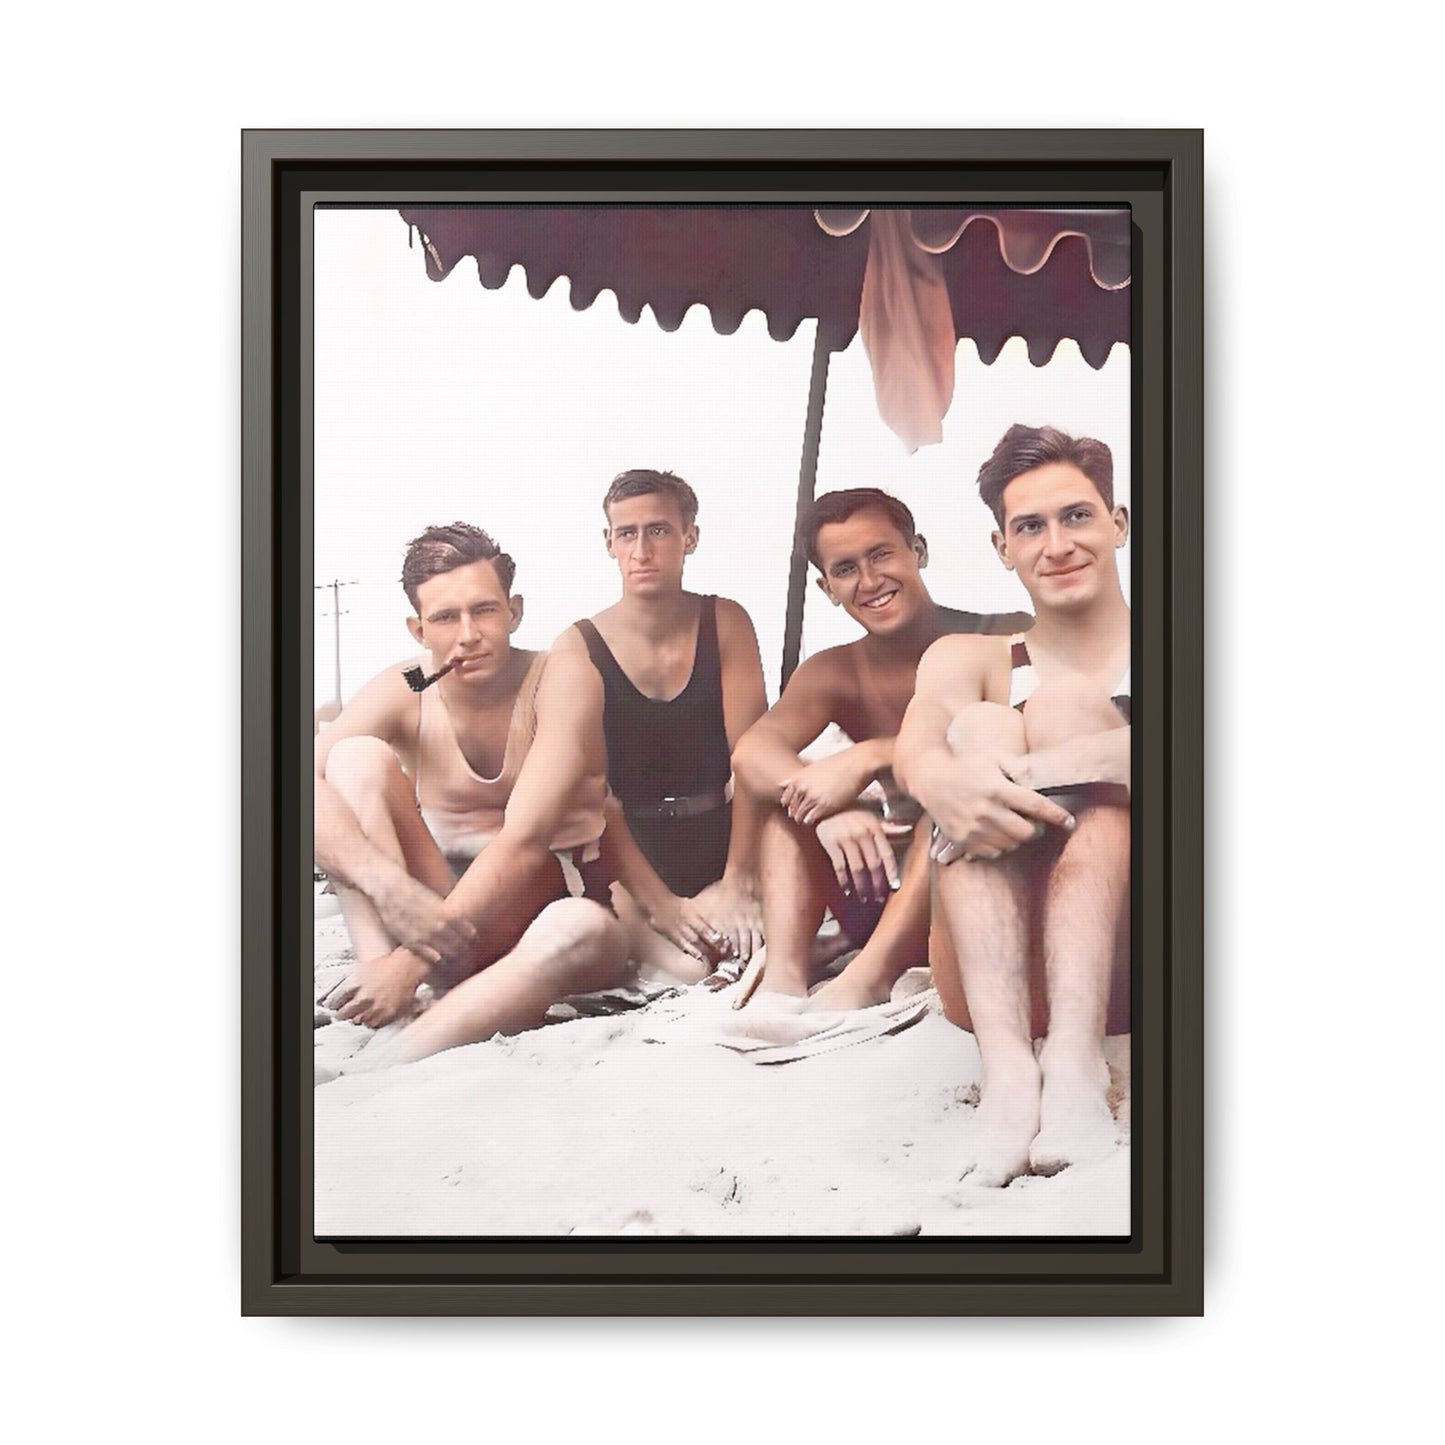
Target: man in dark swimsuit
<point>1033,889</point>
<point>682,682</point>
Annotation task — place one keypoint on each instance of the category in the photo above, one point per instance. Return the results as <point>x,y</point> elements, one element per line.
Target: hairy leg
<point>899,942</point>
<point>798,882</point>
<point>367,775</point>
<point>1085,899</point>
<point>573,946</point>
<point>985,907</point>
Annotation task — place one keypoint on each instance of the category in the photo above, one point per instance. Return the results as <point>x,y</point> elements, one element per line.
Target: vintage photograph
<point>722,675</point>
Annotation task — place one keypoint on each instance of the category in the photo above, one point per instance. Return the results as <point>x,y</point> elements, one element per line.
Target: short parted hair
<point>640,482</point>
<point>839,506</point>
<point>444,549</point>
<point>1025,447</point>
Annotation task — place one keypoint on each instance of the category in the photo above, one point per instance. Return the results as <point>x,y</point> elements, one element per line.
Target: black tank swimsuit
<point>670,758</point>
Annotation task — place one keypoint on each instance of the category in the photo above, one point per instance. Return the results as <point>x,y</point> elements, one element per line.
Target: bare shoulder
<point>829,667</point>
<point>569,642</point>
<point>384,708</point>
<point>733,620</point>
<point>824,677</point>
<point>985,624</point>
<point>962,652</point>
<point>386,700</point>
<point>568,667</point>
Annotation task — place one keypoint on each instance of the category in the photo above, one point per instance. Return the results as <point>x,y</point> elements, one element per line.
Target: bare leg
<point>1084,901</point>
<point>367,775</point>
<point>573,946</point>
<point>649,950</point>
<point>985,906</point>
<point>798,881</point>
<point>898,943</point>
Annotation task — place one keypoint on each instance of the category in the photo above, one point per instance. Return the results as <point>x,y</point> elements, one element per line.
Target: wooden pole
<point>807,485</point>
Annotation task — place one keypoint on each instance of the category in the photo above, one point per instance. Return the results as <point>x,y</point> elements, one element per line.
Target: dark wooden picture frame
<point>1159,1270</point>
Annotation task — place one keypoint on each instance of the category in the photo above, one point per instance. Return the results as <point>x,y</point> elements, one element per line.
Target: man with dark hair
<point>681,681</point>
<point>1020,753</point>
<point>824,845</point>
<point>1025,447</point>
<point>461,824</point>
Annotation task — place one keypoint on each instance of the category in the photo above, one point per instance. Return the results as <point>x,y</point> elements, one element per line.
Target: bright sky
<point>445,402</point>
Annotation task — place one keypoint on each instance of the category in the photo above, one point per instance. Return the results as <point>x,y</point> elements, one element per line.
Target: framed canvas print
<point>723,722</point>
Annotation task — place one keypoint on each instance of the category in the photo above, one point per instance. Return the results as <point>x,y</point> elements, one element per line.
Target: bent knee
<point>579,943</point>
<point>1055,716</point>
<point>361,764</point>
<point>986,722</point>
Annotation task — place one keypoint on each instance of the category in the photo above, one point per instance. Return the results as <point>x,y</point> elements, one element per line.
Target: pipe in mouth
<point>418,681</point>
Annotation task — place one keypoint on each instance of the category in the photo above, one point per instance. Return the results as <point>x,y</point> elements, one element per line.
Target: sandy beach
<point>643,1124</point>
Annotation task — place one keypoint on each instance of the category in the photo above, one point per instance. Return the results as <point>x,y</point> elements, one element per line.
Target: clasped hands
<point>981,809</point>
<point>379,990</point>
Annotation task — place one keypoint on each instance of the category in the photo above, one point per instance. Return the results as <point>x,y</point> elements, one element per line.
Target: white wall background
<point>121,264</point>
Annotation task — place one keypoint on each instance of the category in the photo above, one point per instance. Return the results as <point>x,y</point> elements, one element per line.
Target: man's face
<point>1059,536</point>
<point>871,569</point>
<point>647,538</point>
<point>466,616</point>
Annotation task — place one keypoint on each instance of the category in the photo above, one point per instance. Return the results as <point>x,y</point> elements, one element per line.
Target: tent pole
<point>807,485</point>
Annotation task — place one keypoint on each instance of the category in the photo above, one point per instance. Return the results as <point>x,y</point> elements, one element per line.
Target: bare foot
<point>1076,1125</point>
<point>848,991</point>
<point>782,981</point>
<point>1008,1119</point>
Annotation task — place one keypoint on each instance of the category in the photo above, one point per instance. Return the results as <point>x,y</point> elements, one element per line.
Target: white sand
<point>636,1125</point>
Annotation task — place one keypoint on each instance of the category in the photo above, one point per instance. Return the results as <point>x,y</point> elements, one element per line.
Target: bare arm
<point>956,735</point>
<point>386,709</point>
<point>953,674</point>
<point>565,754</point>
<point>768,756</point>
<point>745,700</point>
<point>1094,758</point>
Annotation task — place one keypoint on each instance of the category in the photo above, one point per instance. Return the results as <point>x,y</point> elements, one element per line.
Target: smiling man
<point>462,824</point>
<point>825,846</point>
<point>682,681</point>
<point>1020,753</point>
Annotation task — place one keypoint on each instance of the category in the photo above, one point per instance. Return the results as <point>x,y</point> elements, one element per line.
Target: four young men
<point>544,824</point>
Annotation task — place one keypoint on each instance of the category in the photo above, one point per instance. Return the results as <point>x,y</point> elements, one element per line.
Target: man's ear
<point>920,549</point>
<point>1121,526</point>
<point>689,538</point>
<point>607,540</point>
<point>1001,547</point>
<point>517,604</point>
<point>826,590</point>
<point>414,626</point>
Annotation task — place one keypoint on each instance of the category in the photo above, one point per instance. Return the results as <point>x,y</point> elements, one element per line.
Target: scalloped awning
<point>913,280</point>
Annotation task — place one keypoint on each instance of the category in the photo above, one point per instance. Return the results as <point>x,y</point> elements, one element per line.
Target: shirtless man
<point>821,846</point>
<point>1033,890</point>
<point>452,820</point>
<point>682,682</point>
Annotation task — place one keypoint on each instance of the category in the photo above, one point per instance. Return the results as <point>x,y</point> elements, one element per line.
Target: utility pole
<point>335,586</point>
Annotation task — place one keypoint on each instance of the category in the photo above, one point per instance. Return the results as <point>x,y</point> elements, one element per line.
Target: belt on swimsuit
<point>688,807</point>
